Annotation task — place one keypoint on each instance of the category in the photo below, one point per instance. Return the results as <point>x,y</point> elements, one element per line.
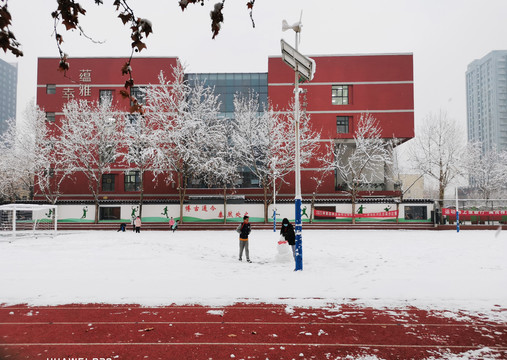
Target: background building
<point>8,89</point>
<point>486,87</point>
<point>345,86</point>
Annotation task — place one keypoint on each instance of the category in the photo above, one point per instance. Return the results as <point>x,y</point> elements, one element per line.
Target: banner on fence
<point>383,214</point>
<point>473,212</point>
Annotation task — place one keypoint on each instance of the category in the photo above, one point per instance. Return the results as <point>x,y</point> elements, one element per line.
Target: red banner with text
<point>452,212</point>
<point>383,214</point>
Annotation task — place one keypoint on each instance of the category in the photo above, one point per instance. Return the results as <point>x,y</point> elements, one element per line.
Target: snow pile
<point>441,270</point>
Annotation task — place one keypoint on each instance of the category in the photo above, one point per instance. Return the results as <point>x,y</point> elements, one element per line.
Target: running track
<point>242,332</point>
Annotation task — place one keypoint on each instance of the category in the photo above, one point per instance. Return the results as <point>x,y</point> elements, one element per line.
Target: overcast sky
<point>444,36</point>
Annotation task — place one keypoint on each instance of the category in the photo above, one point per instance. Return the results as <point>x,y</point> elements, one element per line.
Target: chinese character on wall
<point>84,90</point>
<point>85,75</point>
<point>68,93</point>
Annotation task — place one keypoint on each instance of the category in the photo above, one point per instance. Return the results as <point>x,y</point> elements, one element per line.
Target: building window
<point>138,93</point>
<point>416,213</point>
<point>132,181</point>
<point>50,89</point>
<point>110,213</point>
<point>49,172</point>
<point>108,182</point>
<point>106,95</point>
<point>132,119</point>
<point>108,154</point>
<point>340,94</point>
<point>50,116</point>
<point>342,124</point>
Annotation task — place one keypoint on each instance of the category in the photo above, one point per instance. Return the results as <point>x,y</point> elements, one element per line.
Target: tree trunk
<point>265,205</point>
<point>225,204</point>
<point>141,195</point>
<point>353,210</point>
<point>182,190</point>
<point>441,191</point>
<point>312,208</point>
<point>96,220</point>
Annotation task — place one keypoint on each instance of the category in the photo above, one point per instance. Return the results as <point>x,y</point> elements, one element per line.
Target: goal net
<point>27,220</point>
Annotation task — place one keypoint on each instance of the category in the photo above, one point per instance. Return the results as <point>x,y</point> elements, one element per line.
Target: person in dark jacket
<point>287,231</point>
<point>244,230</point>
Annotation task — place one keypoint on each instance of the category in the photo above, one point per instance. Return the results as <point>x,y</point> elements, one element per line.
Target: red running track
<point>242,331</point>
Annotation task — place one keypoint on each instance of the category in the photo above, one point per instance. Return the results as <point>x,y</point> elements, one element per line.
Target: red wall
<point>106,74</point>
<point>380,84</point>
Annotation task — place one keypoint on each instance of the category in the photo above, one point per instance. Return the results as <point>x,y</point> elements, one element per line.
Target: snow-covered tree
<point>29,156</point>
<point>140,138</point>
<point>487,171</point>
<point>221,164</point>
<point>361,163</point>
<point>185,119</point>
<point>49,167</point>
<point>438,150</point>
<point>266,141</point>
<point>91,136</point>
<point>10,165</point>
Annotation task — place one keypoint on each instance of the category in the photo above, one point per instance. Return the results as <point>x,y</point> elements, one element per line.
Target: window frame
<point>102,92</point>
<point>138,93</point>
<point>50,89</point>
<point>50,116</point>
<point>342,125</point>
<point>341,94</point>
<point>108,179</point>
<point>132,186</point>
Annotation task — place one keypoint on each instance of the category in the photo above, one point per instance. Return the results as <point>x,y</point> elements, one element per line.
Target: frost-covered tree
<point>29,157</point>
<point>185,119</point>
<point>265,140</point>
<point>91,136</point>
<point>438,150</point>
<point>50,169</point>
<point>220,165</point>
<point>361,163</point>
<point>12,164</point>
<point>487,170</point>
<point>140,137</point>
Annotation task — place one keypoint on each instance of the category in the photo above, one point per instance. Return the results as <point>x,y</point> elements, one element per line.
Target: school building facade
<point>344,87</point>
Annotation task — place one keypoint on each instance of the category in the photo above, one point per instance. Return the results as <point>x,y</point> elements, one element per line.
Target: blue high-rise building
<point>8,91</point>
<point>486,86</point>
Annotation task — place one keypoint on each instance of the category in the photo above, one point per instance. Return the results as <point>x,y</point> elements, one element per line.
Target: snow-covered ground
<point>428,269</point>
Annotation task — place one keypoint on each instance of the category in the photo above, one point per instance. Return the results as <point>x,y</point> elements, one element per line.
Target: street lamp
<point>304,68</point>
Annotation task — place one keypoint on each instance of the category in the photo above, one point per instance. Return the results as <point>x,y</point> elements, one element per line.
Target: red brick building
<point>344,87</point>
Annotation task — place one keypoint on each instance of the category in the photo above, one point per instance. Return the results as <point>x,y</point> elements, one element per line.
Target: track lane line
<point>469,325</point>
<point>469,347</point>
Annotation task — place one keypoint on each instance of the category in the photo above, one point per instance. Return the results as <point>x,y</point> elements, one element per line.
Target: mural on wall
<point>134,210</point>
<point>235,212</point>
<point>85,210</point>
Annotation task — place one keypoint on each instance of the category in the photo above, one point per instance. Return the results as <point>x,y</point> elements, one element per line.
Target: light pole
<point>304,68</point>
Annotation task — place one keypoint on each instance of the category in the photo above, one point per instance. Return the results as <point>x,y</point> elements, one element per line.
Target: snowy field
<point>428,269</point>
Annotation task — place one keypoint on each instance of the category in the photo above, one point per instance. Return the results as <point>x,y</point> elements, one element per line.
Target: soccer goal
<point>28,220</point>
